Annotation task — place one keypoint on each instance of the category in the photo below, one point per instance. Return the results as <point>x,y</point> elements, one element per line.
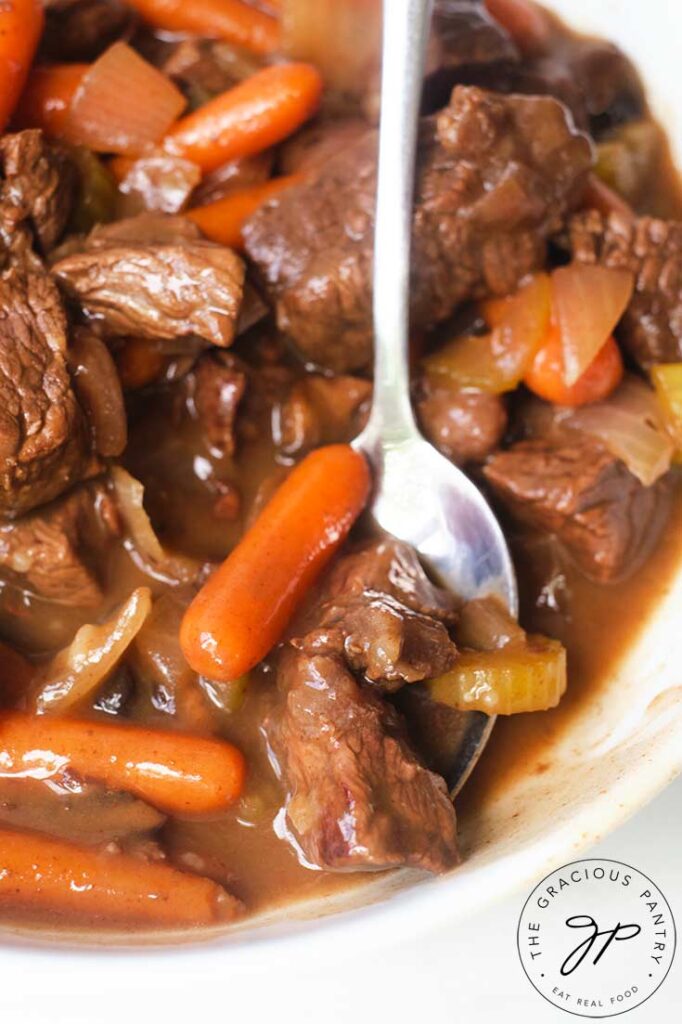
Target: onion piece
<point>587,303</point>
<point>130,498</point>
<point>123,104</point>
<point>630,424</point>
<point>343,40</point>
<point>667,378</point>
<point>498,361</point>
<point>145,545</point>
<point>77,671</point>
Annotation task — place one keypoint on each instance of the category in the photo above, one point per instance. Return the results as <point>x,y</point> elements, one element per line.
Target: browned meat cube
<point>154,277</point>
<point>358,797</point>
<point>496,176</point>
<point>575,489</point>
<point>37,186</point>
<point>56,553</point>
<point>466,426</point>
<point>44,441</point>
<point>652,249</point>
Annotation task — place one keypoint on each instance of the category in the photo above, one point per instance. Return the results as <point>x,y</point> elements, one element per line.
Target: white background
<point>469,973</point>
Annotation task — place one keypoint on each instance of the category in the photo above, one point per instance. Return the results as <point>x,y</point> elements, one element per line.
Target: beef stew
<point>218,692</point>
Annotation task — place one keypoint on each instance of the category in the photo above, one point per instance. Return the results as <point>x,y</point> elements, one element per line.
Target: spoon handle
<point>405,31</point>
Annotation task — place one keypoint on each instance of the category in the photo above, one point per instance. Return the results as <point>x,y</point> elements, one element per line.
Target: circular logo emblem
<point>596,938</point>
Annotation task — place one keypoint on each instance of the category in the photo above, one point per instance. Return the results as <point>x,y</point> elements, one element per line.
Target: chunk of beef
<point>321,410</point>
<point>602,514</point>
<point>388,567</point>
<point>37,186</point>
<point>318,142</point>
<point>214,389</point>
<point>56,553</point>
<point>79,30</point>
<point>464,33</point>
<point>466,426</point>
<point>381,612</point>
<point>44,444</point>
<point>146,229</point>
<point>594,79</point>
<point>496,177</point>
<point>651,328</point>
<point>357,795</point>
<point>152,279</point>
<point>465,42</point>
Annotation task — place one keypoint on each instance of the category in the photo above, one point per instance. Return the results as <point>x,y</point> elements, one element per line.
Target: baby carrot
<point>49,875</point>
<point>545,376</point>
<point>21,23</point>
<point>231,20</point>
<point>176,772</point>
<point>47,97</point>
<point>252,116</point>
<point>243,609</point>
<point>222,221</point>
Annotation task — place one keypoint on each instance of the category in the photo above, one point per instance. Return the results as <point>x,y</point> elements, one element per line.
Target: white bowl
<point>621,745</point>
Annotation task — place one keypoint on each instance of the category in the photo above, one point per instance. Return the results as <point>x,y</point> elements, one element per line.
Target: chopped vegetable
<point>667,378</point>
<point>509,681</point>
<point>631,425</point>
<point>21,24</point>
<point>243,609</point>
<point>176,772</point>
<point>46,101</point>
<point>97,196</point>
<point>546,375</point>
<point>231,20</point>
<point>222,221</point>
<point>52,876</point>
<point>101,118</point>
<point>496,362</point>
<point>227,697</point>
<point>76,672</point>
<point>587,303</point>
<point>252,116</point>
<point>343,40</point>
<point>130,494</point>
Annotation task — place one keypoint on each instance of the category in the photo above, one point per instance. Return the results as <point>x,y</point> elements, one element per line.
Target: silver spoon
<point>420,497</point>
